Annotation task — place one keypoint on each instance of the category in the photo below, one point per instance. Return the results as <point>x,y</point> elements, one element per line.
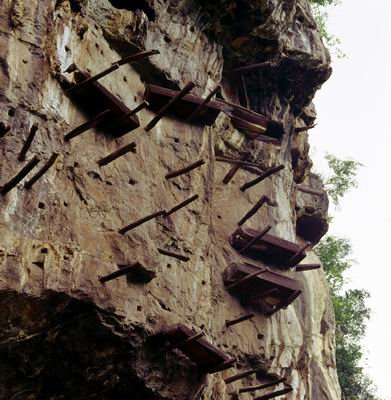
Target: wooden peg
<point>118,153</point>
<point>297,257</point>
<point>181,205</point>
<point>204,103</point>
<point>42,171</point>
<point>232,172</point>
<point>21,174</point>
<point>239,319</point>
<point>260,387</point>
<point>118,123</point>
<point>242,375</point>
<point>169,253</point>
<point>140,222</point>
<point>114,66</point>
<point>307,267</point>
<point>86,125</point>
<point>222,367</point>
<point>28,142</point>
<point>183,342</point>
<point>247,278</point>
<point>117,274</point>
<point>258,205</point>
<point>275,394</point>
<point>266,174</point>
<point>169,104</point>
<point>255,239</point>
<point>182,171</point>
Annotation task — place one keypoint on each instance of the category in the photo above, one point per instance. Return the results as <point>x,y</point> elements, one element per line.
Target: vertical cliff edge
<point>65,334</point>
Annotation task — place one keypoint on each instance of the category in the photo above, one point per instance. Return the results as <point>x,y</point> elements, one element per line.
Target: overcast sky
<point>353,121</point>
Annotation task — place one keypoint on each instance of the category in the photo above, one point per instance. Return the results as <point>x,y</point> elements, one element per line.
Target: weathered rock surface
<point>64,335</point>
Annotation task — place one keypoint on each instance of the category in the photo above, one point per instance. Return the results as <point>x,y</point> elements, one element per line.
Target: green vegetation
<point>320,15</point>
<point>351,311</point>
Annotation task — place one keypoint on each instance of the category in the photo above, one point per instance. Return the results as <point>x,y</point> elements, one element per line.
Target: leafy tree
<point>351,316</point>
<point>343,177</point>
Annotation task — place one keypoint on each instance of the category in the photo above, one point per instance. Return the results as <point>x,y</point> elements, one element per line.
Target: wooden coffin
<point>205,355</point>
<point>158,96</point>
<point>94,98</point>
<point>270,249</point>
<point>268,290</point>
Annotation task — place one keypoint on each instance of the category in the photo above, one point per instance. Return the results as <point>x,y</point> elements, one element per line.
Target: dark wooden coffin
<point>94,98</point>
<point>269,290</point>
<point>270,249</point>
<point>158,96</point>
<point>242,118</point>
<point>205,355</point>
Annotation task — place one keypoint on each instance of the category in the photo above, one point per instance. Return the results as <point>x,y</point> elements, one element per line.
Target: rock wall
<point>64,335</point>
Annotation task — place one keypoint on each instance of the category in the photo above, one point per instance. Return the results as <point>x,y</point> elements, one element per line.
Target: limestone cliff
<point>64,334</point>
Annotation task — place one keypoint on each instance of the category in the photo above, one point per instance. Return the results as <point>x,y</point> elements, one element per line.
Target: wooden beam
<point>266,174</point>
<point>294,259</point>
<point>117,274</point>
<point>255,239</point>
<point>113,67</point>
<point>309,190</point>
<point>19,176</point>
<point>131,147</point>
<point>174,254</point>
<point>42,171</point>
<point>275,394</point>
<point>307,267</point>
<point>183,342</point>
<point>141,221</point>
<point>260,387</point>
<point>258,205</point>
<point>204,103</point>
<point>242,375</point>
<point>28,142</point>
<point>238,320</point>
<point>168,105</point>
<point>181,205</point>
<point>247,278</point>
<point>86,125</point>
<point>174,174</point>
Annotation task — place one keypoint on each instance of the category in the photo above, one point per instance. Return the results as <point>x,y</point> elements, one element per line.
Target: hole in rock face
<point>11,112</point>
<point>41,205</point>
<point>135,5</point>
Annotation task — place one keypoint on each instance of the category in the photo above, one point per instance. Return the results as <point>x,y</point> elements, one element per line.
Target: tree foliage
<point>351,316</point>
<point>342,178</point>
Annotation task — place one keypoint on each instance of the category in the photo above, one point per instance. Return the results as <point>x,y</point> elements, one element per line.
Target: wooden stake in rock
<point>242,375</point>
<point>117,274</point>
<point>260,203</point>
<point>266,174</point>
<point>247,278</point>
<point>239,319</point>
<point>201,107</point>
<point>260,387</point>
<point>21,174</point>
<point>118,123</point>
<point>183,342</point>
<point>28,142</point>
<point>118,153</point>
<point>232,172</point>
<point>181,205</point>
<point>114,66</point>
<point>255,239</point>
<point>307,267</point>
<point>182,171</point>
<point>296,258</point>
<point>42,171</point>
<point>169,104</point>
<point>141,221</point>
<point>173,254</point>
<point>86,125</point>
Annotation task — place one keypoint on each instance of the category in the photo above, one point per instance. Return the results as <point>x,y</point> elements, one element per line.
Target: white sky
<point>353,110</point>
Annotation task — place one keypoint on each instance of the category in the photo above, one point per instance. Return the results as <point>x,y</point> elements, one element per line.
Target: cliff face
<point>65,335</point>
